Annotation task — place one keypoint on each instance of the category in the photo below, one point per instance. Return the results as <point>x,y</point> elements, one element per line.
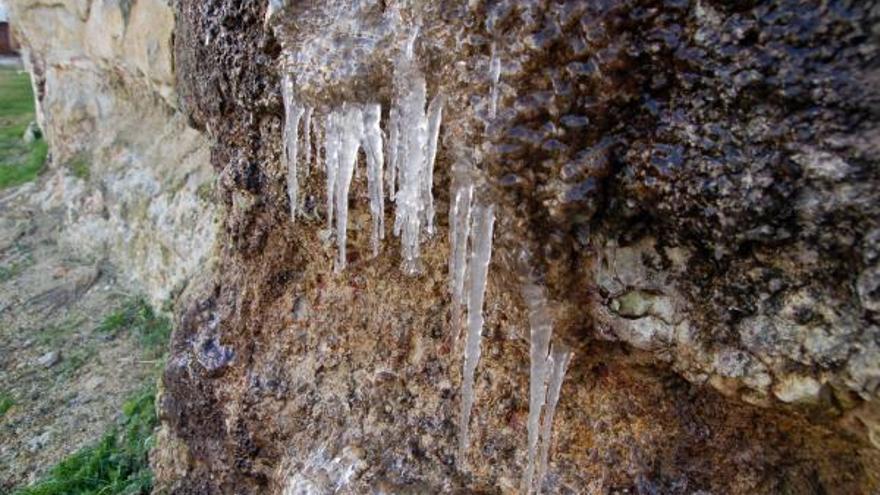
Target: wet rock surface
<point>696,184</point>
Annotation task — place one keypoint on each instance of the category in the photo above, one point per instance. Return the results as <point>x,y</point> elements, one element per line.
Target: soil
<point>67,381</point>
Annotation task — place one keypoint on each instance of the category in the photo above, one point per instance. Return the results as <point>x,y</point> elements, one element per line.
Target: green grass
<point>137,317</point>
<point>80,168</point>
<point>20,162</point>
<point>57,335</point>
<point>117,464</point>
<point>15,268</point>
<point>75,359</point>
<point>6,403</point>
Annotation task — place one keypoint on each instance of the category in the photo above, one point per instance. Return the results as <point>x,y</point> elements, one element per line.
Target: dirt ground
<point>61,382</point>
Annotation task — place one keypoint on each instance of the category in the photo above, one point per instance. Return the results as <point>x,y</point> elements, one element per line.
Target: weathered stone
<point>695,183</point>
<point>104,77</point>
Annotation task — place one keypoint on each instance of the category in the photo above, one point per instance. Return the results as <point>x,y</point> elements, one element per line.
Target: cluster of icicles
<point>410,151</point>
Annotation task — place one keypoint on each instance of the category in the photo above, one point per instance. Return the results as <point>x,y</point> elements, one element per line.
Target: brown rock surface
<point>696,183</point>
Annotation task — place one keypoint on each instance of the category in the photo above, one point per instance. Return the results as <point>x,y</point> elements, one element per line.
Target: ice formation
<point>350,130</point>
<point>413,131</point>
<point>560,355</point>
<point>459,223</point>
<point>435,115</point>
<point>413,128</point>
<point>372,145</point>
<point>293,112</point>
<point>541,328</point>
<point>495,78</point>
<point>307,139</point>
<point>393,143</point>
<point>478,268</point>
<point>412,152</point>
<point>331,160</point>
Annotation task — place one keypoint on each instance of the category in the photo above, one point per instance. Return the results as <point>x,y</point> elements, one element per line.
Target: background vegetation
<point>20,161</point>
<point>117,463</point>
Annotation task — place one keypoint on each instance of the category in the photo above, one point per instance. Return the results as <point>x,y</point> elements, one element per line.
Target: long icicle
<point>541,328</point>
<point>560,356</point>
<point>409,197</point>
<point>351,135</point>
<point>307,140</point>
<point>481,235</point>
<point>293,111</point>
<point>459,223</point>
<point>331,160</point>
<point>372,145</point>
<point>494,77</point>
<point>434,116</point>
<point>393,146</point>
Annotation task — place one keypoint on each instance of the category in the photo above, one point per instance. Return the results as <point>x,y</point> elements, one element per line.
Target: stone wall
<point>131,176</point>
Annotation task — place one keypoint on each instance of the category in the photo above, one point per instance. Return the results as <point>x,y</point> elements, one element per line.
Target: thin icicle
<point>293,111</point>
<point>541,328</point>
<point>393,144</point>
<point>307,140</point>
<point>372,145</point>
<point>331,160</point>
<point>434,116</point>
<point>318,138</point>
<point>494,77</point>
<point>560,356</point>
<point>459,222</point>
<point>481,253</point>
<point>351,131</point>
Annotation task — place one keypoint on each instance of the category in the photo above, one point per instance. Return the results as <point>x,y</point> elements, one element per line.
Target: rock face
<point>693,183</point>
<point>131,175</point>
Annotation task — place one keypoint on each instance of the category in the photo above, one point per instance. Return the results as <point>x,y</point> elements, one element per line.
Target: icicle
<point>372,145</point>
<point>541,328</point>
<point>560,356</point>
<point>481,252</point>
<point>494,77</point>
<point>435,115</point>
<point>459,221</point>
<point>307,140</point>
<point>393,144</point>
<point>351,132</point>
<point>414,126</point>
<point>331,160</point>
<point>293,111</point>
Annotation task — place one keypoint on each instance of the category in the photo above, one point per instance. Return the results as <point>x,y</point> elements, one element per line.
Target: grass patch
<point>20,162</point>
<point>56,336</point>
<point>6,403</point>
<point>80,169</point>
<point>116,464</point>
<point>137,317</point>
<point>78,357</point>
<point>15,268</point>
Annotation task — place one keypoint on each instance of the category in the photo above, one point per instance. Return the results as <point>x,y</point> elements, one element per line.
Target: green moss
<point>137,317</point>
<point>117,464</point>
<point>205,191</point>
<point>6,403</point>
<point>80,168</point>
<point>20,162</point>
